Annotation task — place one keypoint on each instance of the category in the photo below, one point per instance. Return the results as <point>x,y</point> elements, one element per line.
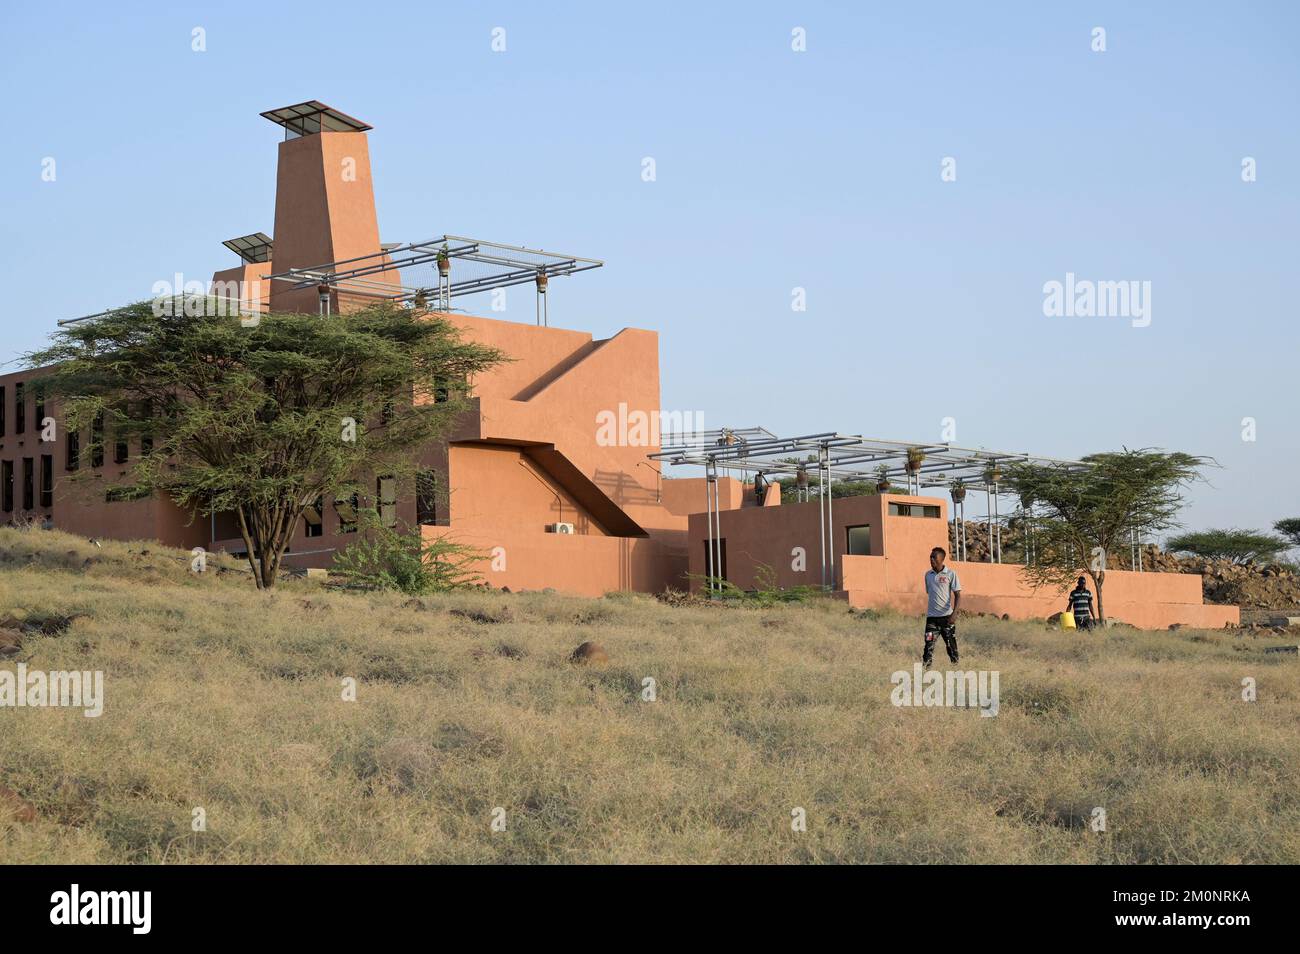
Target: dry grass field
<point>221,698</point>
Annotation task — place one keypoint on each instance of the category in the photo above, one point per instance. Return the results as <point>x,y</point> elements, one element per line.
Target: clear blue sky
<point>775,170</point>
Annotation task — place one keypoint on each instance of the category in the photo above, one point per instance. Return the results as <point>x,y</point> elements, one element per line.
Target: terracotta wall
<point>581,565</point>
<point>324,212</point>
<point>893,574</point>
<point>1146,600</point>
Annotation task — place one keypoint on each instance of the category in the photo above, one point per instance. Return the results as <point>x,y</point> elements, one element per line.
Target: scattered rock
<point>589,654</point>
<point>1282,649</point>
<point>17,807</point>
<point>478,616</point>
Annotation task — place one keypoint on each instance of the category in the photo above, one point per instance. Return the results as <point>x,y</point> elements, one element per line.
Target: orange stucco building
<point>531,480</point>
<point>878,548</point>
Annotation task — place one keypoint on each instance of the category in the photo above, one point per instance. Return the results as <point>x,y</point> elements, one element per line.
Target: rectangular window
<point>74,450</point>
<point>313,517</point>
<point>29,483</point>
<point>914,510</point>
<point>121,452</point>
<point>3,409</point>
<point>47,481</point>
<point>97,440</point>
<point>426,498</point>
<point>7,484</point>
<point>121,494</point>
<point>146,439</point>
<point>386,491</point>
<point>40,405</point>
<point>859,540</point>
<point>720,571</point>
<point>20,409</point>
<point>346,508</point>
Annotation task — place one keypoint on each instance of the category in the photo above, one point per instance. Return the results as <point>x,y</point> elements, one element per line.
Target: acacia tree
<point>1089,512</point>
<point>262,417</point>
<point>1236,546</point>
<point>1289,528</point>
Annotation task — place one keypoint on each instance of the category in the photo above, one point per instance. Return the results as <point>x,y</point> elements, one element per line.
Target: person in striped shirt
<point>1080,603</point>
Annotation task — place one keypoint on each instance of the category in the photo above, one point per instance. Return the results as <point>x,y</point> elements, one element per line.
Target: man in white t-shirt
<point>943,592</point>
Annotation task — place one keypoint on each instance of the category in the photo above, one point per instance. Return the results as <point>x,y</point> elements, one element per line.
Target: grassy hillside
<point>226,699</point>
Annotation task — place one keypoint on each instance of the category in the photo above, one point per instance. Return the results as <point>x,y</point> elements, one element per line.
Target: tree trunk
<point>249,547</point>
<point>1098,579</point>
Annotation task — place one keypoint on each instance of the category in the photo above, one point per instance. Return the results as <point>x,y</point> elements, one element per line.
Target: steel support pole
<point>717,531</point>
<point>830,520</point>
<point>821,516</point>
<point>965,540</point>
<point>708,544</point>
<point>988,510</point>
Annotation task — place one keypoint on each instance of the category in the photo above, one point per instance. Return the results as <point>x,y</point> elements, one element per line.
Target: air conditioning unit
<point>561,528</point>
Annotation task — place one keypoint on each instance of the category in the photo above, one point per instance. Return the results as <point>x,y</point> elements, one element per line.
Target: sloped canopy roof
<point>313,116</point>
<point>251,248</point>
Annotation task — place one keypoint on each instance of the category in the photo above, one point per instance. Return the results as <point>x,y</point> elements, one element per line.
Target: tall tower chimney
<point>324,202</point>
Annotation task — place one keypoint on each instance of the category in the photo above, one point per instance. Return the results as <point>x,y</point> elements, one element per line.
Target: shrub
<point>389,558</point>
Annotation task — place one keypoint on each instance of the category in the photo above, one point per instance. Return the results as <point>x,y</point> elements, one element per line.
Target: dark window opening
<point>3,408</point>
<point>121,452</point>
<point>426,498</point>
<point>146,439</point>
<point>47,481</point>
<point>29,483</point>
<point>313,517</point>
<point>120,494</point>
<point>74,450</point>
<point>7,484</point>
<point>20,409</point>
<point>386,494</point>
<point>858,540</point>
<point>719,571</point>
<point>346,508</point>
<point>97,441</point>
<point>914,510</point>
<point>40,406</point>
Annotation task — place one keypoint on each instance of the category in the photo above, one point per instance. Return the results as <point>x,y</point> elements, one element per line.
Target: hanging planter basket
<point>914,458</point>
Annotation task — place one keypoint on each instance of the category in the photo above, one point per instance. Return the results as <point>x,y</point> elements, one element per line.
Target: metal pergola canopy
<point>252,248</point>
<point>832,456</point>
<point>841,456</point>
<point>473,266</point>
<point>304,119</point>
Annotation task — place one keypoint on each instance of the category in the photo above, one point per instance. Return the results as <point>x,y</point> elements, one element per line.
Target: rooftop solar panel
<point>251,248</point>
<point>310,117</point>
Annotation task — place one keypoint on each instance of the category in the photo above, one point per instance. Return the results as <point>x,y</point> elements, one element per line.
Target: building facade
<point>533,481</point>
